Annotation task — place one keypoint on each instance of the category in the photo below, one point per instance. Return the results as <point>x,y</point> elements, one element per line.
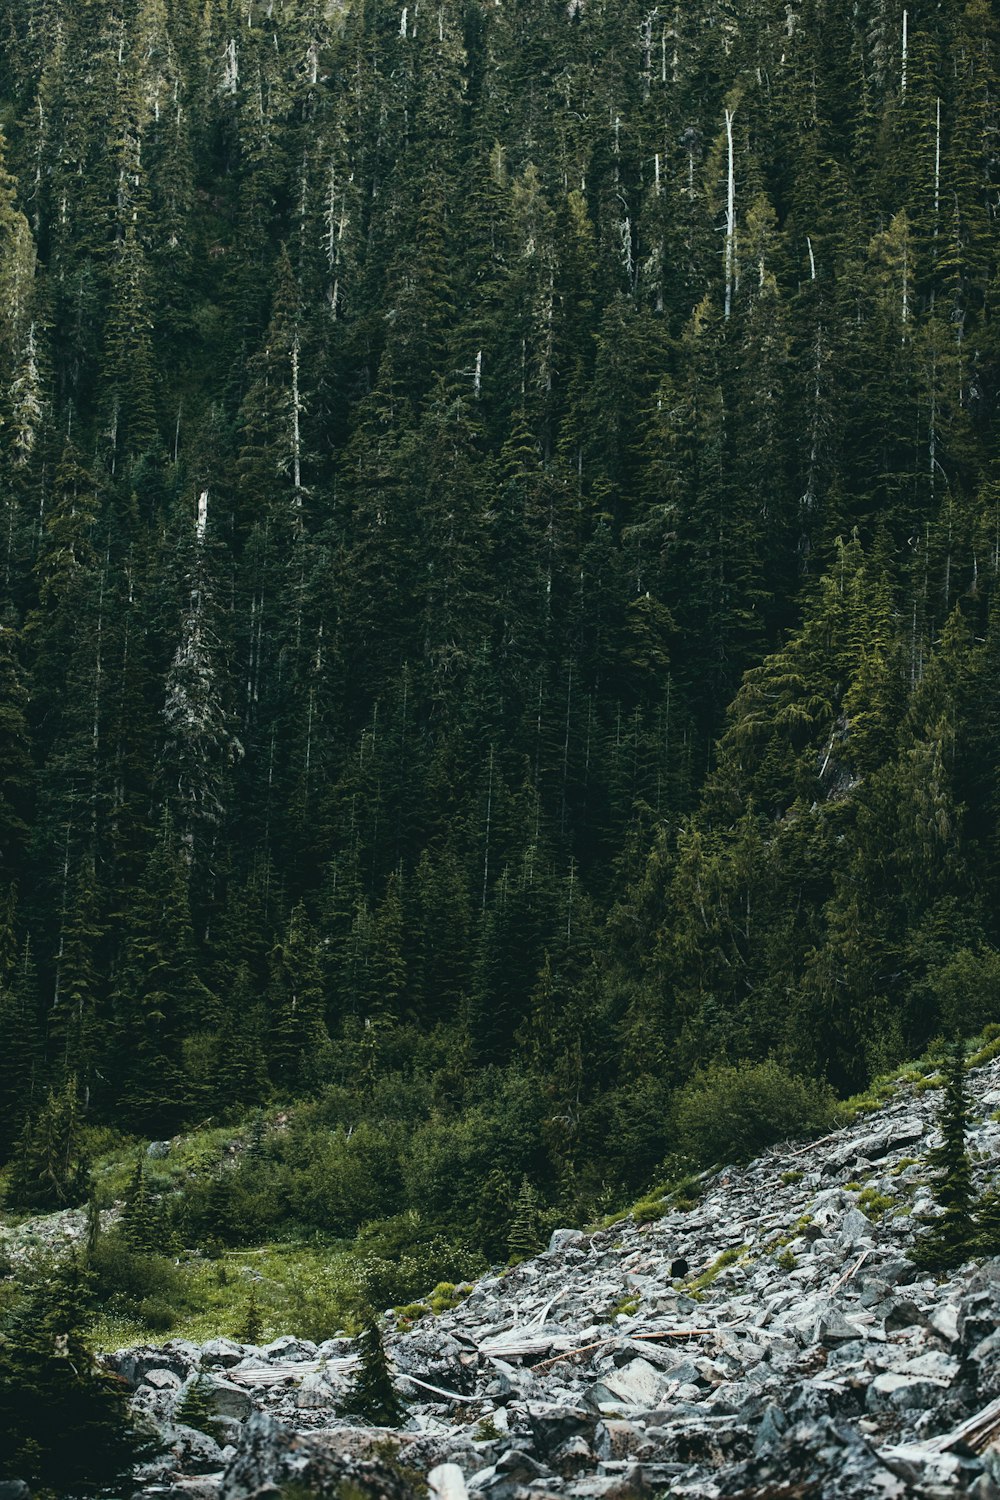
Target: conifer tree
<point>525,1223</point>
<point>49,1168</point>
<point>65,1426</point>
<point>950,1236</point>
<point>373,1395</point>
<point>141,1223</point>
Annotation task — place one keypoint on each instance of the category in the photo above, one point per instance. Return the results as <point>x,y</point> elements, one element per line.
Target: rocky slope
<point>773,1340</point>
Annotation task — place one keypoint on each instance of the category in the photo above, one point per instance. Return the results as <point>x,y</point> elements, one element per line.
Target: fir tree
<point>49,1168</point>
<point>65,1426</point>
<point>950,1237</point>
<point>524,1234</point>
<point>373,1395</point>
<point>141,1222</point>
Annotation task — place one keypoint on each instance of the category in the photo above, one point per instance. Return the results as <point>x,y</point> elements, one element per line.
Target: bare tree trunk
<point>731,270</point>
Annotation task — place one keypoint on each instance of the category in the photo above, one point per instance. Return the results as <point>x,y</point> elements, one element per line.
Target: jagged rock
<point>854,1228</point>
<point>272,1456</point>
<point>777,1379</point>
<point>222,1353</point>
<point>228,1400</point>
<point>617,1439</point>
<point>901,1312</point>
<point>897,1391</point>
<point>315,1392</point>
<point>447,1482</point>
<point>637,1384</point>
<point>193,1487</point>
<point>565,1239</point>
<point>194,1452</point>
<point>436,1356</point>
<point>134,1365</point>
<point>14,1489</point>
<point>289,1350</point>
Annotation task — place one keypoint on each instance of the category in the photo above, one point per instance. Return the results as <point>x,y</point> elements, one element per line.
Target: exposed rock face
<point>813,1361</point>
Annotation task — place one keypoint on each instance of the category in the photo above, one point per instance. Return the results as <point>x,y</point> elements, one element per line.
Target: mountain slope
<point>773,1339</point>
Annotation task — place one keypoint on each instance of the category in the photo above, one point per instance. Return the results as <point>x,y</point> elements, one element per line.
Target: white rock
<point>447,1482</point>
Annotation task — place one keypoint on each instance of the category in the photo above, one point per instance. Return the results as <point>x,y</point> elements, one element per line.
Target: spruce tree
<point>950,1237</point>
<point>524,1234</point>
<point>373,1395</point>
<point>65,1425</point>
<point>141,1222</point>
<point>49,1168</point>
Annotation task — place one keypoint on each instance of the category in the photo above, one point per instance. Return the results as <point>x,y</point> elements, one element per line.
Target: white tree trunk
<point>732,275</point>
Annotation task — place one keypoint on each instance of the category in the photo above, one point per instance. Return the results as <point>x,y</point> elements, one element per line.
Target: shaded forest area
<point>500,529</point>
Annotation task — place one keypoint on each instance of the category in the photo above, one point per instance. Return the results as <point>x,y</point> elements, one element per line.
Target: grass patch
<point>679,1195</point>
<point>310,1291</point>
<point>447,1295</point>
<point>711,1273</point>
<point>875,1204</point>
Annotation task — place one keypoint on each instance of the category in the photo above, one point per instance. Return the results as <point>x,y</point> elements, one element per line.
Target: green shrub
<point>195,1408</point>
<point>729,1113</point>
<point>128,1284</point>
<point>65,1425</point>
<point>874,1204</point>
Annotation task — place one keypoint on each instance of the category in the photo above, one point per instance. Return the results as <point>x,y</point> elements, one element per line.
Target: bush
<point>148,1288</point>
<point>729,1113</point>
<point>65,1426</point>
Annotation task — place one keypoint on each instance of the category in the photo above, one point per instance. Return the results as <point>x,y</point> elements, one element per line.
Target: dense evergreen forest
<point>500,537</point>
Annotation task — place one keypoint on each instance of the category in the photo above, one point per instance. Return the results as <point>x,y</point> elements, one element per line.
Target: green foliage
<point>468,661</point>
<point>711,1273</point>
<point>731,1112</point>
<point>142,1224</point>
<point>874,1204</point>
<point>196,1409</point>
<point>524,1235</point>
<point>950,1237</point>
<point>373,1395</point>
<point>49,1168</point>
<point>252,1327</point>
<point>64,1422</point>
<point>136,1284</point>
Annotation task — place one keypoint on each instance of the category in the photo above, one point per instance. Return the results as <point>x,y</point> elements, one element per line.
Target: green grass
<point>875,1204</point>
<point>307,1290</point>
<point>711,1273</point>
<point>192,1155</point>
<point>679,1195</point>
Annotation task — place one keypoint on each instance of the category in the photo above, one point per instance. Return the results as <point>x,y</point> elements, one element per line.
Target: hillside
<point>772,1338</point>
<point>499,666</point>
<point>500,513</point>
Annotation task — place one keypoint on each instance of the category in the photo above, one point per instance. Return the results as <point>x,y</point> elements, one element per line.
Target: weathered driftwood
<point>437,1389</point>
<point>567,1349</point>
<point>293,1372</point>
<point>282,1372</point>
<point>851,1270</point>
<point>978,1432</point>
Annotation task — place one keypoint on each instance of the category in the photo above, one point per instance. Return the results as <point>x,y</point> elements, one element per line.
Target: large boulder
<point>271,1457</point>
